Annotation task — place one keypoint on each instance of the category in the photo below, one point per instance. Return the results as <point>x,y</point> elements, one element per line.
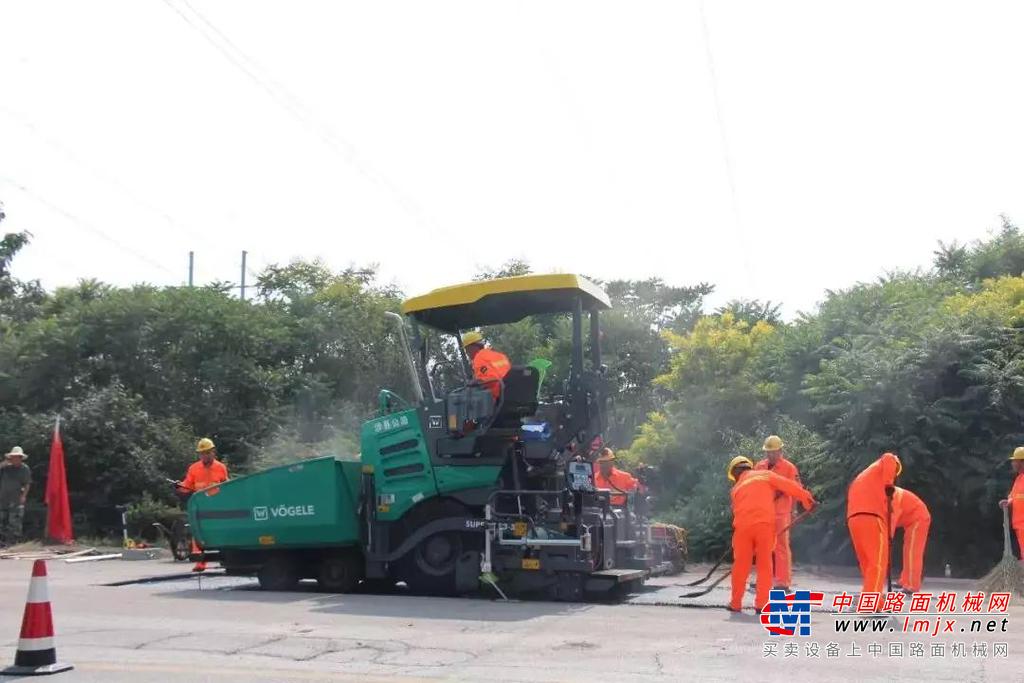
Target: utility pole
<point>191,266</point>
<point>244,254</point>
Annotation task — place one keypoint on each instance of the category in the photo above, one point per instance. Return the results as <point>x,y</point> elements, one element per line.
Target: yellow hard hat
<point>607,455</point>
<point>772,443</point>
<point>472,337</point>
<point>1018,453</point>
<point>738,460</point>
<point>204,445</point>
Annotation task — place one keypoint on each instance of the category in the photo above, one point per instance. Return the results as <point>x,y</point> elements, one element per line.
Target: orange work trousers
<point>750,542</point>
<point>871,543</point>
<point>783,556</point>
<point>1020,541</point>
<point>915,537</point>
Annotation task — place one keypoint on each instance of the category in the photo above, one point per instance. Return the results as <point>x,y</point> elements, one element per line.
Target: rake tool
<point>711,587</point>
<point>796,520</point>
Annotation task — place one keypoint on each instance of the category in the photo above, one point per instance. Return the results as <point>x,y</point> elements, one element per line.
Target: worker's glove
<point>890,490</point>
<point>1004,503</point>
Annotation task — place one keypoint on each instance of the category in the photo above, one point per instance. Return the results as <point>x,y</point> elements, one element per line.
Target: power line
<point>106,176</point>
<point>260,74</point>
<point>726,152</point>
<point>85,224</point>
<point>301,113</point>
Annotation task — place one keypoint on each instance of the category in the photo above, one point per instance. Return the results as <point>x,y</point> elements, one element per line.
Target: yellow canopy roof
<point>504,300</point>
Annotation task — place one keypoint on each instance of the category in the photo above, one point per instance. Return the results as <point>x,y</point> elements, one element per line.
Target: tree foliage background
<point>929,364</point>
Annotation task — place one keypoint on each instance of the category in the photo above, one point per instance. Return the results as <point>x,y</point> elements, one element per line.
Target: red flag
<point>58,513</point>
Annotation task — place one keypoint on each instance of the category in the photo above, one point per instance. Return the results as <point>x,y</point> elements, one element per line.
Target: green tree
<point>1003,254</point>
<point>511,268</point>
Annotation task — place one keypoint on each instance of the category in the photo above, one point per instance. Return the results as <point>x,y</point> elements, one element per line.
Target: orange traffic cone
<point>36,654</point>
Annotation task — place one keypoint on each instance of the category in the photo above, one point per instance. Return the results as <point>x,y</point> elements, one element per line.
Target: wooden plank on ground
<point>94,558</point>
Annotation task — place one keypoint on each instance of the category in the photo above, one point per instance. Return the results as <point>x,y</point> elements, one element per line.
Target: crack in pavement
<point>360,645</point>
<point>157,640</point>
<point>270,641</point>
<point>443,652</point>
<point>575,645</point>
<point>396,655</point>
<point>384,653</point>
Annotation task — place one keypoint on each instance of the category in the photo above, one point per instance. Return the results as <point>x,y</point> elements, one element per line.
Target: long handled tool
<point>1008,575</point>
<point>799,518</point>
<point>888,536</point>
<point>710,571</point>
<point>696,594</point>
<point>711,587</point>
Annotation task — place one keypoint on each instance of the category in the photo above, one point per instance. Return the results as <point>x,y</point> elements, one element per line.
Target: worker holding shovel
<point>1015,500</point>
<point>753,521</point>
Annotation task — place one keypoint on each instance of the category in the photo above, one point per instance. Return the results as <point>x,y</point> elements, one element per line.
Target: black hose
<point>796,520</point>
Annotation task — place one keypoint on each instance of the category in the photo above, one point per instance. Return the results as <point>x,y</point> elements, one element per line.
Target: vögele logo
<point>262,513</point>
<point>789,615</point>
<point>293,511</point>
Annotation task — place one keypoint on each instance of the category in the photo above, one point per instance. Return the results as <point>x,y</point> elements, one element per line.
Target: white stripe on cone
<point>37,590</point>
<point>35,643</point>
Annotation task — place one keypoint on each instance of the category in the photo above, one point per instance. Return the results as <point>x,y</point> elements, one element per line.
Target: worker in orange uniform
<point>1015,499</point>
<point>911,514</point>
<point>608,476</point>
<point>753,523</point>
<point>867,514</point>
<point>775,461</point>
<point>203,474</point>
<point>489,366</point>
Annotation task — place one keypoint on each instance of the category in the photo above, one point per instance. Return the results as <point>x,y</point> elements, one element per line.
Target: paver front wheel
<point>338,574</point>
<point>279,573</point>
<point>430,567</point>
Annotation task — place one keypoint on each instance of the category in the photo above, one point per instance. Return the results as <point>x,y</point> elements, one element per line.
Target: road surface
<point>224,630</point>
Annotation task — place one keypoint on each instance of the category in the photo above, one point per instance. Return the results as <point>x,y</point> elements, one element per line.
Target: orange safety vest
<point>200,477</point>
<point>753,497</point>
<point>866,494</point>
<point>1016,499</point>
<point>489,366</point>
<point>616,481</point>
<point>783,468</point>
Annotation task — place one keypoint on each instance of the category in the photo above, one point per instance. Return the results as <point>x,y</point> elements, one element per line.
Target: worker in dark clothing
<point>15,480</point>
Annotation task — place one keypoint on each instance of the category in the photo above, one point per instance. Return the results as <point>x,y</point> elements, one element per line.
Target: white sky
<point>437,137</point>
